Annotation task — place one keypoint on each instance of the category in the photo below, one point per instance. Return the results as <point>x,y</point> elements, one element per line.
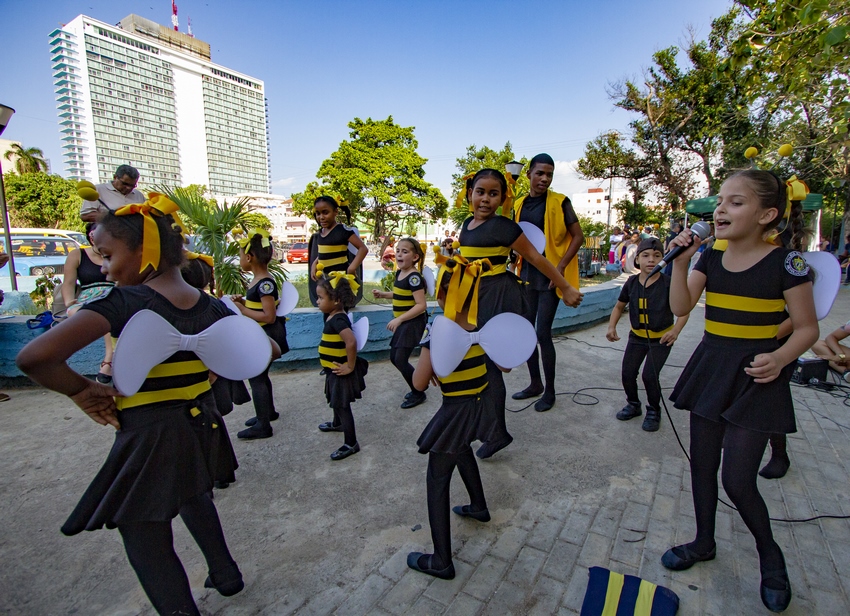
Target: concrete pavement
<point>577,488</point>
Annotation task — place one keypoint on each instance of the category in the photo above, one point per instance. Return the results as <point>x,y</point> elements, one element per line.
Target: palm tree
<point>213,225</point>
<point>30,160</point>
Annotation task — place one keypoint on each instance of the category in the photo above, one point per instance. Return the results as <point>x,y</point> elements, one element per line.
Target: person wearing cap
<point>113,195</point>
<point>652,334</point>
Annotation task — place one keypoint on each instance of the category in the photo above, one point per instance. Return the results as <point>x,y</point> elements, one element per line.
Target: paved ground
<point>577,488</point>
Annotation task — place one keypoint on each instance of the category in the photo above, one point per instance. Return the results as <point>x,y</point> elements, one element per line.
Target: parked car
<point>36,255</point>
<point>299,253</point>
<point>77,236</point>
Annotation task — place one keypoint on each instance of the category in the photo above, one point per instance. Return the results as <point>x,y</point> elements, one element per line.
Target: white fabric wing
<point>827,280</point>
<point>535,236</point>
<point>449,343</point>
<point>234,347</point>
<point>230,304</point>
<point>288,299</point>
<point>430,282</point>
<point>351,247</point>
<point>360,329</point>
<point>509,339</point>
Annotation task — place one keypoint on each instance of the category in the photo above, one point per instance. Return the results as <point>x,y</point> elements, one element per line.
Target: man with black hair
<point>113,195</point>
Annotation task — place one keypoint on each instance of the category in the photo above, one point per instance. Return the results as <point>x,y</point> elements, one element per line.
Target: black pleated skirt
<point>343,390</point>
<point>161,458</point>
<point>409,333</point>
<point>227,393</point>
<point>498,294</point>
<point>714,385</point>
<point>277,332</point>
<point>454,426</point>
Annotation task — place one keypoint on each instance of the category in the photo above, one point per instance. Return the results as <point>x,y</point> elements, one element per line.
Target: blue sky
<point>460,72</point>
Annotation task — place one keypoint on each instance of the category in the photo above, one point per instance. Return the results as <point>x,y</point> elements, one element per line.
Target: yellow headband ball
<point>455,244</point>
<point>436,249</point>
<point>785,149</point>
<point>319,267</point>
<point>751,152</point>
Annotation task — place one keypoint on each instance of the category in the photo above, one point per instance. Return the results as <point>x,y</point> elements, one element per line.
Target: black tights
<point>343,416</point>
<point>261,391</point>
<point>655,355</point>
<point>542,306</point>
<point>150,550</point>
<point>438,482</point>
<point>400,358</point>
<point>742,453</point>
<point>494,411</point>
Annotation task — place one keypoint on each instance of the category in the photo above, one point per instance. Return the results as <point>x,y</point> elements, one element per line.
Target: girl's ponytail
<point>347,211</point>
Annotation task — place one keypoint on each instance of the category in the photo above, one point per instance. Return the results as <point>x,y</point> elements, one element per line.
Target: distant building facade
<point>593,204</point>
<point>142,94</point>
<point>286,225</point>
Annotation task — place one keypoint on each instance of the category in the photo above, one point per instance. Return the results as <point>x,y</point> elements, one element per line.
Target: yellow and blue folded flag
<point>613,594</point>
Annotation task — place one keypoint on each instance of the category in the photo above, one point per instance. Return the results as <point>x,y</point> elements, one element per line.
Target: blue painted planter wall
<point>303,333</point>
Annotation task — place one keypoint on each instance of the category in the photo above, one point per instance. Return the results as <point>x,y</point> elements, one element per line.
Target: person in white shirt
<point>113,195</point>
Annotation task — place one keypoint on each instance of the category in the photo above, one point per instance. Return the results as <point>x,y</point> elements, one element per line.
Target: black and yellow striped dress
<point>458,421</point>
<point>409,333</point>
<point>332,252</point>
<point>254,300</point>
<point>743,311</point>
<point>340,390</point>
<point>171,444</point>
<point>500,290</point>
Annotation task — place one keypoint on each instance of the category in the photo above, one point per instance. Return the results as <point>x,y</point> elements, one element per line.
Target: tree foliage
<point>379,172</point>
<point>30,160</point>
<point>43,200</point>
<point>213,226</point>
<point>605,158</point>
<point>480,158</point>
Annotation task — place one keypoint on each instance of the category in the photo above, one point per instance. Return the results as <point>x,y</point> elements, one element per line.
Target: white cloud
<point>567,180</point>
<point>283,182</point>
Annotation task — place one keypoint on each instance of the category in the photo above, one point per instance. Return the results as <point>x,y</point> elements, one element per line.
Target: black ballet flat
<point>776,467</point>
<point>674,562</point>
<point>465,511</point>
<point>527,393</point>
<point>346,450</point>
<point>444,574</point>
<point>226,587</point>
<point>488,449</point>
<point>328,426</point>
<point>773,599</point>
<point>250,422</point>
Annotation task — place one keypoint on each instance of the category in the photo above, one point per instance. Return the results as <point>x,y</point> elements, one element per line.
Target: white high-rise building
<point>145,95</point>
<point>593,204</point>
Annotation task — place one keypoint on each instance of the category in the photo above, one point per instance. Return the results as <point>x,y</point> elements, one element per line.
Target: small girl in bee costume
<point>169,442</point>
<point>260,303</point>
<point>733,385</point>
<point>409,308</point>
<point>344,370</point>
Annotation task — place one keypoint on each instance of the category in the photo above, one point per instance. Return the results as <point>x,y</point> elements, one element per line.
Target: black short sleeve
<point>264,287</point>
<point>337,324</point>
<point>570,216</point>
<point>416,282</point>
<point>626,290</point>
<point>496,231</point>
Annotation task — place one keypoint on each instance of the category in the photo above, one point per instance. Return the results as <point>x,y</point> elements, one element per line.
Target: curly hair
<point>263,254</point>
<point>197,273</point>
<point>129,229</point>
<point>342,293</point>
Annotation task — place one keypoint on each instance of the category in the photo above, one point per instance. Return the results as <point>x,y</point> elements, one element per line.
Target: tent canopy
<point>702,207</point>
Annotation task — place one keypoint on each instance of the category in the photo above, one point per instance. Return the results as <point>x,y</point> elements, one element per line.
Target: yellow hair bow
<point>156,205</point>
<point>335,277</point>
<point>461,195</point>
<point>245,242</point>
<point>464,282</point>
<point>341,200</point>
<point>508,205</point>
<point>196,255</point>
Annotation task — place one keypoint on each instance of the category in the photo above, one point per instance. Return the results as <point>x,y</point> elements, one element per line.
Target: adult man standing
<point>113,195</point>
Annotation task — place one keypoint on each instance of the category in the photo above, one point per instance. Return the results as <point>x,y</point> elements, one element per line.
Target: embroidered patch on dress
<point>266,287</point>
<point>415,280</point>
<point>795,264</point>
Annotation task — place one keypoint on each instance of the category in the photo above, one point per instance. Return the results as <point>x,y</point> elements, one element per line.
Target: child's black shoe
<point>415,399</point>
<point>250,422</point>
<point>630,411</point>
<point>346,450</point>
<point>254,432</point>
<point>652,420</point>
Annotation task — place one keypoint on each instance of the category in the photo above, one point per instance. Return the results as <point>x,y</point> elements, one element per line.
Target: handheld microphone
<point>700,229</point>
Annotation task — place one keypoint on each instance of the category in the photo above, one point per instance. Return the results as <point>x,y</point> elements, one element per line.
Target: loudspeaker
<point>809,368</point>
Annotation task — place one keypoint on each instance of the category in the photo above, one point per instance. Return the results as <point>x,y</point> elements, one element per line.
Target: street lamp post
<point>6,115</point>
<point>514,168</point>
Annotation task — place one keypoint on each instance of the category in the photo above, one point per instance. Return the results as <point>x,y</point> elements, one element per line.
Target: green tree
<point>213,227</point>
<point>258,220</point>
<point>380,173</point>
<point>480,158</point>
<point>42,200</point>
<point>30,160</point>
<point>605,158</point>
